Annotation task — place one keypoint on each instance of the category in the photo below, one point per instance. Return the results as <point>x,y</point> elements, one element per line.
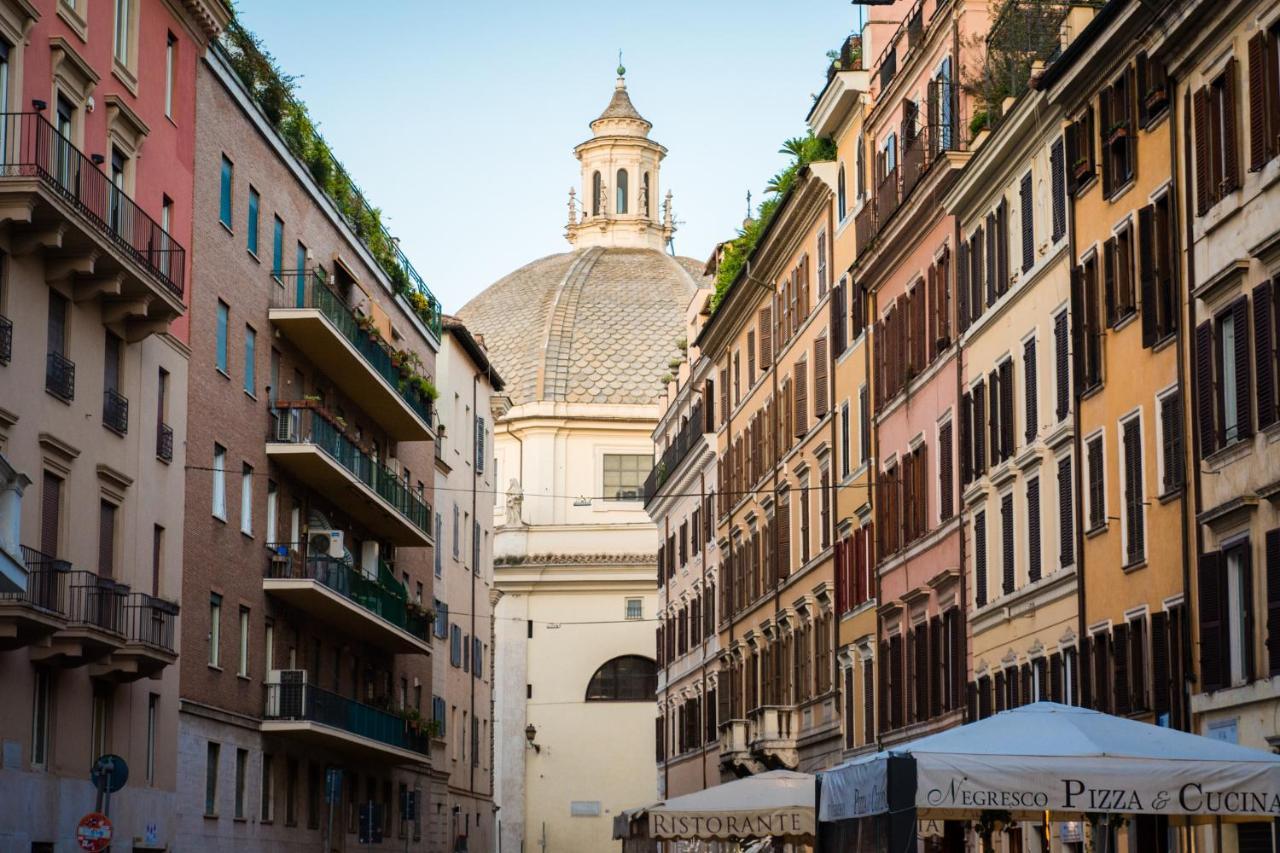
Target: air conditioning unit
<point>287,696</point>
<point>325,543</point>
<point>286,428</point>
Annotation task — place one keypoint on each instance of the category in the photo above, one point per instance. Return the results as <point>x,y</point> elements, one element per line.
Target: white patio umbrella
<point>776,804</point>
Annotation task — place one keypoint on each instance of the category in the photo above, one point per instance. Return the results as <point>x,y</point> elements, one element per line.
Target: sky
<point>458,119</point>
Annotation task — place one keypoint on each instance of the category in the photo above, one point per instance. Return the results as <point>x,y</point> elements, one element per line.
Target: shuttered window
<point>977,303</point>
<point>107,539</point>
<point>1266,330</point>
<point>980,557</point>
<point>1209,589</point>
<point>801,398</point>
<point>1272,557</point>
<point>946,485</point>
<point>1006,543</point>
<point>1157,281</point>
<point>1097,495</point>
<point>1216,155</point>
<point>821,370</point>
<point>1204,376</point>
<point>1138,665</point>
<point>838,317</point>
<point>783,532</point>
<point>724,395</point>
<point>1233,400</point>
<point>868,701</point>
<point>1029,390</point>
<point>1033,530</point>
<point>50,514</point>
<point>1062,365</point>
<point>864,424</point>
<point>1171,432</point>
<point>1093,322</point>
<point>1134,515</point>
<point>1027,206</point>
<point>966,439</point>
<point>1080,157</point>
<point>1161,653</point>
<point>1264,98</point>
<point>1006,410</point>
<point>962,287</point>
<point>979,426</point>
<point>1066,513</point>
<point>1119,681</point>
<point>1058,181</point>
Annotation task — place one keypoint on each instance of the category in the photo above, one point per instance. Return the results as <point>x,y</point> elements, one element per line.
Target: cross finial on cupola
<point>622,70</point>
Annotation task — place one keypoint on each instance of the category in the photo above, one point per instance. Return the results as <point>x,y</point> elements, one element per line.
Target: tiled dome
<point>596,325</point>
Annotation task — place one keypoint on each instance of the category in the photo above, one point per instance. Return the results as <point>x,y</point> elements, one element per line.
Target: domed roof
<point>595,325</point>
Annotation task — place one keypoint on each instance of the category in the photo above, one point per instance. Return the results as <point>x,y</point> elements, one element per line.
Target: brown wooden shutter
<point>1109,280</point>
<point>1213,648</point>
<point>1106,118</point>
<point>995,408</point>
<point>1058,183</point>
<point>1162,687</point>
<point>1062,365</point>
<point>751,358</point>
<point>1006,544</point>
<point>1272,552</point>
<point>766,336</point>
<point>980,558</point>
<point>1258,101</point>
<point>1138,663</point>
<point>1244,398</point>
<point>1132,440</point>
<point>962,288</point>
<point>1200,109</point>
<point>1033,530</point>
<point>1264,355</point>
<point>1026,204</point>
<point>992,265</point>
<point>820,374</point>
<point>1006,409</point>
<point>979,426</point>
<point>724,395</point>
<point>1147,273</point>
<point>783,532</point>
<point>1066,513</point>
<point>1030,391</point>
<point>801,398</point>
<point>50,514</point>
<point>946,484</point>
<point>1231,152</point>
<point>1204,388</point>
<point>1120,696</point>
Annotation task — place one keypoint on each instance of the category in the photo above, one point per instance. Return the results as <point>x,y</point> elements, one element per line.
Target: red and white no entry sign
<point>93,833</point>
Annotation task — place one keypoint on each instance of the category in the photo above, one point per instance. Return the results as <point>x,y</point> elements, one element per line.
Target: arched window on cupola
<point>595,194</point>
<point>621,190</point>
<point>648,197</point>
<point>840,194</point>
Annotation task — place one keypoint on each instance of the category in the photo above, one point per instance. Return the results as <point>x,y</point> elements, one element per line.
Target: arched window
<point>621,191</point>
<point>630,678</point>
<point>595,194</point>
<point>860,170</point>
<point>648,197</point>
<point>840,198</point>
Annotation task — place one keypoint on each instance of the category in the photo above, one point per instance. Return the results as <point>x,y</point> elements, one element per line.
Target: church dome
<point>595,325</point>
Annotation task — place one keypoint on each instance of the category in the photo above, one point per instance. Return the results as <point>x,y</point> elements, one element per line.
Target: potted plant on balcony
<point>1117,131</point>
<point>424,386</point>
<point>413,720</point>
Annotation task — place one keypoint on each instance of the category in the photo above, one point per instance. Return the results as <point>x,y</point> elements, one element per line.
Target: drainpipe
<point>874,311</point>
<point>1076,308</point>
<point>833,671</point>
<point>963,603</point>
<point>475,567</point>
<point>702,502</point>
<point>1189,513</point>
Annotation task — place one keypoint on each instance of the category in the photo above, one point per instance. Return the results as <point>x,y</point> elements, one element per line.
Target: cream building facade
<point>583,339</point>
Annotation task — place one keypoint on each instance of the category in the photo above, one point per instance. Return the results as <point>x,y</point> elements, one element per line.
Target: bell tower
<point>619,204</point>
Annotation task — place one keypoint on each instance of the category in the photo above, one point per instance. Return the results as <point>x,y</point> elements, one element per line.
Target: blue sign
<point>332,785</point>
<point>109,773</point>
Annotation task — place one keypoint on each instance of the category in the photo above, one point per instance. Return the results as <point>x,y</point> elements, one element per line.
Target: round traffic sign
<point>112,770</point>
<point>93,833</point>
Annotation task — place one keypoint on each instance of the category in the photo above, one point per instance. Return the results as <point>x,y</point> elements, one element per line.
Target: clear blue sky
<point>459,119</point>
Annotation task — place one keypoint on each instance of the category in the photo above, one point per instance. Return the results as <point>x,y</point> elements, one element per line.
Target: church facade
<point>583,339</point>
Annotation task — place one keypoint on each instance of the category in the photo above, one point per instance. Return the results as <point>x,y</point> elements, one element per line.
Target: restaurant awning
<point>1064,760</point>
<point>776,804</point>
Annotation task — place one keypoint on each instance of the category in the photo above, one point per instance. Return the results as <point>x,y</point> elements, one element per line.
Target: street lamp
<point>529,734</point>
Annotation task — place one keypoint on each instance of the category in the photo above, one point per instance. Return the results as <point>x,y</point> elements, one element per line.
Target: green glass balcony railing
<point>310,289</point>
<point>306,702</point>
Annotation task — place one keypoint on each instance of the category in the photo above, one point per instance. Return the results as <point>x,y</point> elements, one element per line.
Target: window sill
<point>243,677</point>
<point>1084,187</point>
<point>215,667</point>
<point>1170,495</point>
<point>125,75</point>
<point>252,396</point>
<point>1120,191</point>
<point>251,253</point>
<point>1165,342</point>
<point>220,518</point>
<point>1092,390</point>
<point>1125,321</point>
<point>226,227</point>
<point>1093,532</point>
<point>224,373</point>
<point>239,820</point>
<point>208,816</point>
<point>1127,568</point>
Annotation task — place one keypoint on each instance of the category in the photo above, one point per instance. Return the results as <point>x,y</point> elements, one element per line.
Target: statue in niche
<point>515,503</point>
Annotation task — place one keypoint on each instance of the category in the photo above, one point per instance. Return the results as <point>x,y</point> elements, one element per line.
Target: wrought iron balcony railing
<point>164,442</point>
<point>309,288</point>
<point>60,377</point>
<point>96,601</point>
<point>115,411</point>
<point>306,702</point>
<point>382,596</point>
<point>690,434</point>
<point>150,620</point>
<point>32,147</point>
<point>47,582</point>
<point>6,339</point>
<point>299,423</point>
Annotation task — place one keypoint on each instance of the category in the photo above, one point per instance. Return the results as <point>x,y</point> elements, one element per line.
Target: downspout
<point>1075,297</point>
<point>702,502</point>
<point>475,567</point>
<point>1190,514</point>
<point>833,671</point>
<point>874,481</point>
<point>963,603</point>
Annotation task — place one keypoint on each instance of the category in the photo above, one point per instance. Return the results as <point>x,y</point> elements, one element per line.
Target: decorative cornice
<point>577,560</point>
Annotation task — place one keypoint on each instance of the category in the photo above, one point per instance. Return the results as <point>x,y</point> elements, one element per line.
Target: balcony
<point>30,616</point>
<point>887,196</point>
<point>316,319</point>
<point>115,411</point>
<point>773,736</point>
<point>149,624</point>
<point>60,377</point>
<point>314,446</point>
<point>164,442</point>
<point>865,225</point>
<point>327,720</point>
<point>689,437</point>
<point>57,198</point>
<point>6,339</point>
<point>375,610</point>
<point>96,623</point>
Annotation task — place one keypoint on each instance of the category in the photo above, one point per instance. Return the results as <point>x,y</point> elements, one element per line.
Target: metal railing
<point>887,195</point>
<point>96,601</point>
<point>115,411</point>
<point>310,289</point>
<point>849,58</point>
<point>60,377</point>
<point>32,147</point>
<point>164,442</point>
<point>150,620</point>
<point>865,225</point>
<point>382,596</point>
<point>47,581</point>
<point>687,438</point>
<point>6,339</point>
<point>298,423</point>
<point>298,701</point>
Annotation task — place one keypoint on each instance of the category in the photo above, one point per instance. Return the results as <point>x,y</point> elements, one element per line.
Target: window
<point>646,197</point>
<point>224,203</point>
<point>246,499</point>
<point>630,678</point>
<point>115,407</point>
<point>1233,402</point>
<point>41,714</point>
<point>1066,513</point>
<point>242,766</point>
<point>120,41</point>
<point>845,460</point>
<point>219,477</point>
<point>1214,116</point>
<point>442,619</point>
<point>252,223</point>
<point>220,341</point>
<point>1080,160</point>
<point>477,657</point>
<point>250,345</point>
<point>1134,514</point>
<point>242,668</point>
<point>1118,276</point>
<point>439,549</point>
<point>211,779</point>
<point>1097,493</point>
<point>1033,530</point>
<point>1058,181</point>
<point>455,646</point>
<point>980,557</point>
<point>946,477</point>
<point>842,209</point>
<point>277,247</point>
<point>269,645</point>
<point>1026,206</point>
<point>1171,442</point>
<point>597,193</point>
<point>291,792</point>
<point>1119,133</point>
<point>106,539</point>
<point>1158,283</point>
<point>624,474</point>
<point>170,68</point>
<point>1225,581</point>
<point>457,532</point>
<point>215,630</point>
<point>1092,322</point>
<point>864,425</point>
<point>1007,544</point>
<point>621,191</point>
<point>1264,97</point>
<point>100,721</point>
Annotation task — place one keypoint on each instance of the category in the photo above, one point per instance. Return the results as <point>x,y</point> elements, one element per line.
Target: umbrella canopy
<point>1065,760</point>
<point>777,804</point>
